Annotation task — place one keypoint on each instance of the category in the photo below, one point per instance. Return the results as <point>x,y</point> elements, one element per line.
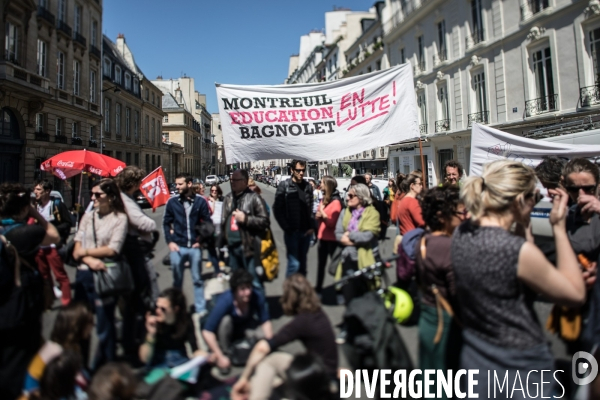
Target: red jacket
<point>410,215</point>
<point>327,226</point>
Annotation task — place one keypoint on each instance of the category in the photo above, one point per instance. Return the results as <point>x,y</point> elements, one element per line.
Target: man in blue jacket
<point>182,214</point>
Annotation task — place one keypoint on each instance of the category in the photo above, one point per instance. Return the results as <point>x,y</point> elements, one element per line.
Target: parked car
<point>212,180</point>
<point>141,200</point>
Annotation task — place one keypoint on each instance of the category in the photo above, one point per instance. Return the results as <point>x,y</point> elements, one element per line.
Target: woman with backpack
<point>442,211</point>
<point>100,236</point>
<point>21,284</point>
<point>327,216</point>
<point>499,274</point>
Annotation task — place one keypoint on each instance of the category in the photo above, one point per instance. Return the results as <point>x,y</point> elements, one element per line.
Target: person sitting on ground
<point>236,315</point>
<point>169,331</point>
<point>59,381</point>
<point>310,325</point>
<point>307,379</point>
<point>113,381</point>
<point>72,327</point>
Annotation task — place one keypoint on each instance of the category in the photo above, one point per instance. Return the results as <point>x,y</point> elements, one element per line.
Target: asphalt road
<point>274,289</point>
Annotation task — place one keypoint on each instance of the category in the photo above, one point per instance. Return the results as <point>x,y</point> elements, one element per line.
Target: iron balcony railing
<point>475,37</point>
<point>43,13</point>
<point>481,117</point>
<point>63,27</point>
<point>60,139</point>
<point>442,125</point>
<point>420,66</point>
<point>541,105</point>
<point>80,39</point>
<point>41,136</point>
<point>442,55</point>
<point>77,141</point>
<point>589,96</point>
<point>423,129</point>
<point>93,143</point>
<point>532,7</point>
<point>95,51</point>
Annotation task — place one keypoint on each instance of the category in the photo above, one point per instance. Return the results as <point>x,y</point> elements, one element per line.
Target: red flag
<point>155,188</point>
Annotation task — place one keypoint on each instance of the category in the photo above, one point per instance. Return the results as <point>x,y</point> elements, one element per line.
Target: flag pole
<point>423,168</point>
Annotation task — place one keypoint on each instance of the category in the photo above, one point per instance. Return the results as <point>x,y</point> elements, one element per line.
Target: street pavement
<point>274,289</point>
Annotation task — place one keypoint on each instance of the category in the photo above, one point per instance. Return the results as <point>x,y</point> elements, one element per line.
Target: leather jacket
<point>255,225</point>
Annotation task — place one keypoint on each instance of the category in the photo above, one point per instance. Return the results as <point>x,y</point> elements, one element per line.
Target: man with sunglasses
<point>293,211</point>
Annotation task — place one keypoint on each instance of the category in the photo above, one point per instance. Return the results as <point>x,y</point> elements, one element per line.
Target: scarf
<point>356,214</point>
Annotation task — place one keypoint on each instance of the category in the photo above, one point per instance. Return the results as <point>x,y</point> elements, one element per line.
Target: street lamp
<point>115,90</point>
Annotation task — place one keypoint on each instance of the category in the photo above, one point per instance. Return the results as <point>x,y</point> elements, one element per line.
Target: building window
<point>119,155</point>
<point>480,94</point>
<point>39,122</point>
<point>136,86</point>
<point>11,42</point>
<point>94,33</point>
<point>147,95</point>
<point>148,162</point>
<point>93,86</point>
<point>544,83</point>
<point>402,56</point>
<point>477,21</point>
<point>76,77</point>
<point>153,98</point>
<point>107,67</point>
<point>92,133</point>
<point>78,12</point>
<point>167,118</point>
<point>58,126</point>
<point>378,65</point>
<point>117,74</point>
<point>422,104</point>
<point>136,124</point>
<point>127,81</point>
<point>62,10</point>
<point>118,119</point>
<point>147,129</point>
<point>595,52</point>
<point>75,129</point>
<point>136,158</point>
<point>106,115</point>
<point>60,70</point>
<point>128,158</point>
<point>42,48</point>
<point>442,54</point>
<point>127,122</point>
<point>538,5</point>
<point>420,53</point>
<point>443,103</point>
<point>153,130</point>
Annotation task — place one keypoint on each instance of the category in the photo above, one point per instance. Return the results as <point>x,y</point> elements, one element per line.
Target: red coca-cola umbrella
<point>70,163</point>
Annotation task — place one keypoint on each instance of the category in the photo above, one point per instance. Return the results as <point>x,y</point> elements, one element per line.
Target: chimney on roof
<point>120,36</point>
<point>159,78</point>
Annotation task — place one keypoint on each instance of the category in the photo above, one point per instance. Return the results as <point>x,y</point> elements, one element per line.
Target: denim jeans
<point>237,260</point>
<point>297,244</point>
<point>168,359</point>
<point>105,317</point>
<point>194,256</point>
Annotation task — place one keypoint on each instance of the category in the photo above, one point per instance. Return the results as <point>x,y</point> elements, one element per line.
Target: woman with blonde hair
<point>499,274</point>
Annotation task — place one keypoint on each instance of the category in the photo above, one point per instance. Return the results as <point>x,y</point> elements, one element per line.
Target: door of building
<point>11,147</point>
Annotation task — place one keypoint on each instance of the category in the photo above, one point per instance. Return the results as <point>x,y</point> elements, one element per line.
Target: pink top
<point>327,225</point>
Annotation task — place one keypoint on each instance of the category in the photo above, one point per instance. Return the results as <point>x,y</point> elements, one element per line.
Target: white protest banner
<point>318,121</point>
<point>489,144</point>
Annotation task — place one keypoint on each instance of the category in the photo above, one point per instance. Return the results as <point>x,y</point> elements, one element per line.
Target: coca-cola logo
<point>96,171</point>
<point>118,169</point>
<point>67,164</point>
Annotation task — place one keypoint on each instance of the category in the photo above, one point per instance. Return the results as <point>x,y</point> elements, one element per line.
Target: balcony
<point>475,38</point>
<point>423,129</point>
<point>77,141</point>
<point>118,136</point>
<point>95,52</point>
<point>589,96</point>
<point>93,143</point>
<point>80,40</point>
<point>60,139</point>
<point>42,137</point>
<point>481,117</point>
<point>532,7</point>
<point>46,17</point>
<point>443,125</point>
<point>64,29</point>
<point>441,56</point>
<point>541,105</point>
<point>207,141</point>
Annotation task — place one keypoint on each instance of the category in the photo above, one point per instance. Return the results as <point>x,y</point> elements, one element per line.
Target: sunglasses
<point>350,196</point>
<point>96,194</point>
<point>589,189</point>
<point>537,197</point>
<point>300,170</point>
<point>213,191</point>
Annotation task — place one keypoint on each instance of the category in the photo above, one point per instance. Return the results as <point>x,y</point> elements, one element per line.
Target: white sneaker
<point>57,292</point>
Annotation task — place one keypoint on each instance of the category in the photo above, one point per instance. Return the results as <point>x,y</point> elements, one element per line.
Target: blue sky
<point>226,41</point>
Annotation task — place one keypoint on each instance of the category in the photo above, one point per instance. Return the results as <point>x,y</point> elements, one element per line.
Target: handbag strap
<point>94,228</point>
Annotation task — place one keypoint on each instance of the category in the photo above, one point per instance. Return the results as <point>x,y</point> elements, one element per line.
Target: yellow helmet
<point>401,303</point>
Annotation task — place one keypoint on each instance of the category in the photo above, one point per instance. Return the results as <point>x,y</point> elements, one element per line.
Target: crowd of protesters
<point>477,267</point>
